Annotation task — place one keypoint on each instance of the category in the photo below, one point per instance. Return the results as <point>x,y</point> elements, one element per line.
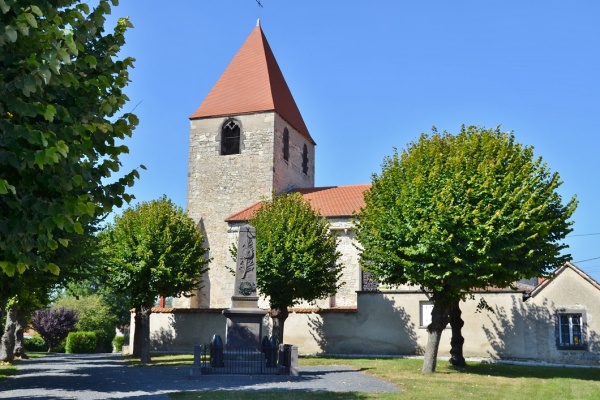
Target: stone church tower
<point>247,140</point>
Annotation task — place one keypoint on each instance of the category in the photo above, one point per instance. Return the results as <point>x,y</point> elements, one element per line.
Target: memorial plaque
<point>244,292</point>
<point>244,318</point>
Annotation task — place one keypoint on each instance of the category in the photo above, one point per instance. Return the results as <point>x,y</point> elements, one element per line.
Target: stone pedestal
<point>244,327</point>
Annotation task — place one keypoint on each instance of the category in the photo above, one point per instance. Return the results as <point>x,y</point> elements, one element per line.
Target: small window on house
<point>305,159</point>
<point>286,144</point>
<point>571,330</point>
<point>230,138</point>
<point>425,313</point>
<point>425,308</point>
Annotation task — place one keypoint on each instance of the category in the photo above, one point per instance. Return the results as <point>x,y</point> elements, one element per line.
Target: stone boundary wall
<point>390,323</point>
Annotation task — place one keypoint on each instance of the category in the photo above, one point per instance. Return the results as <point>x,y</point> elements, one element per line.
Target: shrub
<point>118,343</point>
<point>35,343</point>
<point>54,324</point>
<point>81,342</point>
<point>94,316</point>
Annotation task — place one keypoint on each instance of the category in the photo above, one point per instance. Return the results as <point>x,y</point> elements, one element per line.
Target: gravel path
<point>107,376</point>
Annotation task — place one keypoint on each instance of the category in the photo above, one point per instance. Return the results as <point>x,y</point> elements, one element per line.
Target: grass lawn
<point>477,381</point>
<point>6,369</point>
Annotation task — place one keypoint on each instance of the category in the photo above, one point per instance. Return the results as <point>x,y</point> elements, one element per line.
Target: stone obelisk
<point>244,318</point>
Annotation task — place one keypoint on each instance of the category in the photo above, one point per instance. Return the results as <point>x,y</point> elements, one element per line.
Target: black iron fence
<point>269,359</point>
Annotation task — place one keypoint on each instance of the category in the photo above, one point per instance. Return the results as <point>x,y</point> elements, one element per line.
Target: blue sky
<point>369,76</point>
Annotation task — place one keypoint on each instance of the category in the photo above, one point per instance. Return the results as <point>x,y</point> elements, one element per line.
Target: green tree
<point>24,293</point>
<point>19,297</point>
<point>296,256</point>
<point>86,275</point>
<point>54,324</point>
<point>453,213</point>
<point>97,285</point>
<point>153,249</point>
<point>94,316</point>
<point>61,89</point>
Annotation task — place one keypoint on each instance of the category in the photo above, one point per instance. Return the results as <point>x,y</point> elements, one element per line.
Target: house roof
<point>330,202</point>
<point>251,83</point>
<point>559,271</point>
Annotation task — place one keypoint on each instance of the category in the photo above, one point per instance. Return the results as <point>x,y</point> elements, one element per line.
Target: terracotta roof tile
<point>253,82</point>
<point>331,202</point>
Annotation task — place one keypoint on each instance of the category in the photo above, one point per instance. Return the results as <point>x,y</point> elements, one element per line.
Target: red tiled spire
<point>253,82</point>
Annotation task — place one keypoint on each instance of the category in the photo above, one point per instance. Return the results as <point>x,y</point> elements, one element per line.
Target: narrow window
<point>425,317</point>
<point>230,138</point>
<point>286,144</point>
<point>305,159</point>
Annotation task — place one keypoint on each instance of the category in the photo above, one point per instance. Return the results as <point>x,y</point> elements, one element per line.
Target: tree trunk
<point>278,316</point>
<point>457,341</point>
<point>20,326</point>
<point>145,328</point>
<point>137,334</point>
<point>439,320</point>
<point>7,342</point>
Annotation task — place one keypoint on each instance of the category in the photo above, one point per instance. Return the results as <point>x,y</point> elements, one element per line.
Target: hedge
<point>81,342</point>
<point>118,343</point>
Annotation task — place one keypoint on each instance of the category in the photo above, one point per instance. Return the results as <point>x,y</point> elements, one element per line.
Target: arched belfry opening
<point>230,137</point>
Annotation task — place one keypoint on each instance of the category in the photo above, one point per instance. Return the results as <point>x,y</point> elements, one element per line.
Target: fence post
<point>197,352</point>
<point>216,352</point>
<point>284,359</point>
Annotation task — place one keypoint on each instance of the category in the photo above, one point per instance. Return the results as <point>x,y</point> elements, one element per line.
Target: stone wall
<point>288,174</point>
<point>343,228</point>
<point>391,323</point>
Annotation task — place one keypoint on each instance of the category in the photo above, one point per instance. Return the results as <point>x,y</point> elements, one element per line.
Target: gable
<point>568,277</point>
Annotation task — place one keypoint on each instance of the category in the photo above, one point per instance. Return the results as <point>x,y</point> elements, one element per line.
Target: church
<point>248,140</point>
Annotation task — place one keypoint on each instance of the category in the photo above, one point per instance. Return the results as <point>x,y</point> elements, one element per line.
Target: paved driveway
<point>107,376</point>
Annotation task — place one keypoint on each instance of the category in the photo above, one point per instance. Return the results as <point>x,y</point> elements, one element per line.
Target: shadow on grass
<point>164,360</point>
<point>6,370</point>
<point>273,394</point>
<point>525,371</point>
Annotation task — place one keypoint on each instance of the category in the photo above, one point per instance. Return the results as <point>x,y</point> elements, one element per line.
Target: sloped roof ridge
<point>251,83</point>
<point>559,271</point>
<point>329,201</point>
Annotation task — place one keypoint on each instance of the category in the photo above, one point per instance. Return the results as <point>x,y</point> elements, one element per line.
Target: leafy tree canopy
<point>296,256</point>
<point>54,324</point>
<point>467,211</point>
<point>154,249</point>
<point>61,89</point>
